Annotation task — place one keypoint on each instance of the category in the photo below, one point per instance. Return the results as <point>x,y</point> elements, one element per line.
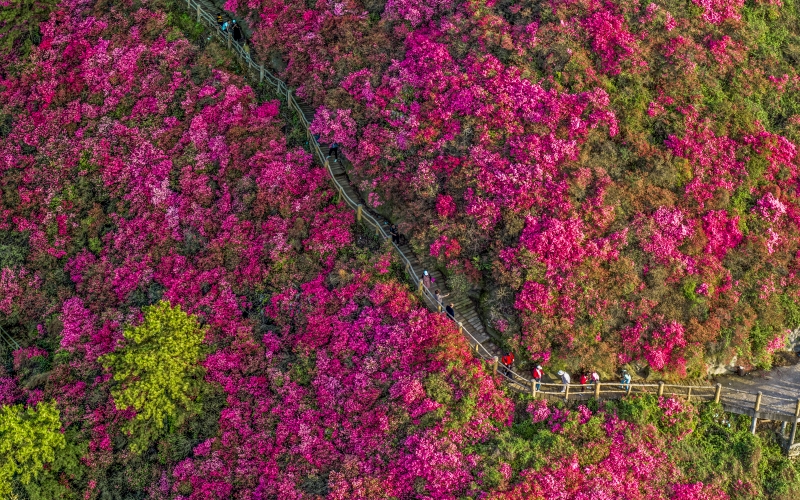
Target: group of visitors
<point>587,377</point>
<point>231,27</point>
<point>427,281</point>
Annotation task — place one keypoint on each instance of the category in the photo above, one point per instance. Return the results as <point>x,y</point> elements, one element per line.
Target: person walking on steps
<point>564,379</point>
<point>237,32</point>
<point>626,380</point>
<point>334,151</point>
<point>219,20</point>
<point>225,26</point>
<point>439,297</point>
<point>537,376</point>
<point>584,380</point>
<point>395,234</point>
<point>594,378</point>
<point>451,312</point>
<point>426,279</point>
<point>507,361</point>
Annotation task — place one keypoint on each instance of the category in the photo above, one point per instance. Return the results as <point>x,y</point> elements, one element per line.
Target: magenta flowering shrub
<point>610,156</point>
<point>353,373</point>
<point>137,167</point>
<point>335,126</point>
<point>608,457</point>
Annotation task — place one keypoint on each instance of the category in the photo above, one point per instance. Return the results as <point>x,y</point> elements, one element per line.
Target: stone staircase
<point>466,313</point>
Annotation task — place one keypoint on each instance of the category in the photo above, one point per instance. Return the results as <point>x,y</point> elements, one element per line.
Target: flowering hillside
<point>201,319</point>
<point>616,180</point>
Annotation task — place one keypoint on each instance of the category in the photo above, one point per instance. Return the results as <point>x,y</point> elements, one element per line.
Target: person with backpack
<point>334,151</point>
<point>564,379</point>
<point>538,373</point>
<point>426,279</point>
<point>225,26</point>
<point>395,234</point>
<point>507,362</point>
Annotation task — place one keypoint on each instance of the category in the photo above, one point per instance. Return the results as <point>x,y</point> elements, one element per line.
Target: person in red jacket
<point>537,376</point>
<point>584,380</point>
<point>507,361</point>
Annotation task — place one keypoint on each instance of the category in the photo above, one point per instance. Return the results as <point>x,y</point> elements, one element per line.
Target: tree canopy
<point>29,438</point>
<point>158,369</point>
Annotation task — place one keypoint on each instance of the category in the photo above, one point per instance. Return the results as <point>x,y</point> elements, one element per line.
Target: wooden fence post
<point>756,407</point>
<point>495,361</point>
<point>660,389</point>
<point>533,388</point>
<point>230,39</point>
<point>597,391</point>
<point>261,74</point>
<point>689,394</point>
<point>566,392</point>
<point>198,13</point>
<point>460,327</point>
<point>718,393</point>
<point>794,424</point>
<point>628,392</point>
<point>420,285</point>
<point>358,213</point>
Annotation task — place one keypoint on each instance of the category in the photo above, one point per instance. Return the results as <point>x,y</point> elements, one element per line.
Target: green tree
<point>29,438</point>
<point>158,371</point>
<point>65,477</point>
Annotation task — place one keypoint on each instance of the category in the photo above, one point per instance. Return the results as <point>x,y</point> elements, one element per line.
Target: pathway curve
<point>780,388</point>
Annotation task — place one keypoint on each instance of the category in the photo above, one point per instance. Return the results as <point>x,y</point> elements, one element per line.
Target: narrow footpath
<point>779,389</point>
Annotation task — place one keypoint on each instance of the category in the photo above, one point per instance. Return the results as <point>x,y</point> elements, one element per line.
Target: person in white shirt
<point>564,379</point>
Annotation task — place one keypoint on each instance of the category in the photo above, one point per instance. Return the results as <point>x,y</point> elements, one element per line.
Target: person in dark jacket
<point>334,150</point>
<point>395,234</point>
<point>451,312</point>
<point>237,32</point>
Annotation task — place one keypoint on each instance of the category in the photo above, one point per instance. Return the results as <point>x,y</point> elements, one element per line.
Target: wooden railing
<point>756,405</point>
<point>8,340</point>
<point>362,215</point>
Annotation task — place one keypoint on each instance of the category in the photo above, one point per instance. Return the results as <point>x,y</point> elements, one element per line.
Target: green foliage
<point>689,290</point>
<point>13,249</point>
<point>63,478</point>
<point>722,448</point>
<point>158,371</point>
<point>458,284</point>
<point>19,23</point>
<point>791,310</point>
<point>760,336</point>
<point>29,439</point>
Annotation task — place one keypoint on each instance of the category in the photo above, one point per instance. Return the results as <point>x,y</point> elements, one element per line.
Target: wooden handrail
<point>9,340</point>
<point>576,391</point>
